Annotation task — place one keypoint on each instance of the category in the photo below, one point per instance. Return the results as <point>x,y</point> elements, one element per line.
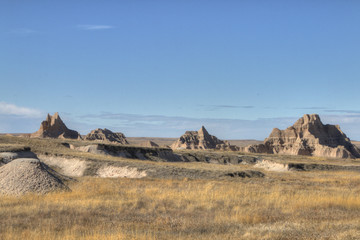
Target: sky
<point>159,68</point>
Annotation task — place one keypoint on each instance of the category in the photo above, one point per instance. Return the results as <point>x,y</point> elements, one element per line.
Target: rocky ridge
<point>106,135</point>
<point>308,136</point>
<point>201,140</point>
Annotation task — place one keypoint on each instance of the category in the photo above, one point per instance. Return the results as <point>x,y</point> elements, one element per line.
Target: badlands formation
<point>201,140</point>
<point>105,135</point>
<point>308,136</point>
<point>54,127</point>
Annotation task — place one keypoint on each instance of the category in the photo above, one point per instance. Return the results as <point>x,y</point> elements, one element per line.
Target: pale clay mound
<point>120,172</point>
<point>28,175</point>
<point>71,167</point>
<point>272,166</point>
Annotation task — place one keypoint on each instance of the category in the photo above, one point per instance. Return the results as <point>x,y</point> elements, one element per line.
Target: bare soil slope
<point>25,175</point>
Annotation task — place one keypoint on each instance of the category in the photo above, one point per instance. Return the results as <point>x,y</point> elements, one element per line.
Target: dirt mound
<point>201,140</point>
<point>54,127</point>
<point>308,136</point>
<point>148,144</point>
<point>25,175</point>
<point>106,135</point>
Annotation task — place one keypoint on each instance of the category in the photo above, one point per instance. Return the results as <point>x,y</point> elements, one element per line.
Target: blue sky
<point>158,68</point>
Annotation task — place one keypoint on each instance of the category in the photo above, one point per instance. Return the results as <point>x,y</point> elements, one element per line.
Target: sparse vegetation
<point>285,206</point>
<point>13,147</point>
<point>282,205</point>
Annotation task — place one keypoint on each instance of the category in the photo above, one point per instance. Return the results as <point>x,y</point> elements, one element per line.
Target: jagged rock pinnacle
<point>54,127</point>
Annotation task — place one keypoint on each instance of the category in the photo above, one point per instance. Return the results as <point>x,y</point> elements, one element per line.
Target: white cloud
<point>12,109</point>
<point>94,27</point>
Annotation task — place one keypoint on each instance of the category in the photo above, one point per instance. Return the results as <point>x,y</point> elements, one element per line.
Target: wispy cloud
<point>21,119</point>
<point>12,109</point>
<point>23,31</point>
<point>175,126</point>
<point>312,108</point>
<point>172,126</point>
<point>219,107</point>
<point>343,111</point>
<point>94,27</point>
<point>231,106</point>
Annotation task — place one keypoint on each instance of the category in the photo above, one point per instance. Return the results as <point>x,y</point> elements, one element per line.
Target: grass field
<point>281,205</point>
<point>316,205</point>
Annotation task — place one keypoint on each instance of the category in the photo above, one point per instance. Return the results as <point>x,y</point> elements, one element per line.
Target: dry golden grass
<point>290,205</point>
<point>320,205</point>
<point>12,147</point>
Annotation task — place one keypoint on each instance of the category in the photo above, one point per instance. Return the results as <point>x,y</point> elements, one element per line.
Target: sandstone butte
<point>106,135</point>
<point>201,140</point>
<point>54,127</point>
<point>308,136</point>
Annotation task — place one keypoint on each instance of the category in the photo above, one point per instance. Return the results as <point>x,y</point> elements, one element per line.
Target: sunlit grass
<point>288,205</point>
<point>187,209</point>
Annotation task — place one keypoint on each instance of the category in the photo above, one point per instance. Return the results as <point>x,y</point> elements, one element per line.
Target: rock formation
<point>54,127</point>
<point>201,140</point>
<point>308,136</point>
<point>25,175</point>
<point>106,135</point>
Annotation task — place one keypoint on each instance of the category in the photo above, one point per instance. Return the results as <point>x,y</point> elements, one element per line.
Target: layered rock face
<point>54,127</point>
<point>106,135</point>
<point>201,140</point>
<point>308,136</point>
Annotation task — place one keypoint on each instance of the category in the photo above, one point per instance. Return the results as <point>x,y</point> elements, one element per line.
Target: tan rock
<point>105,135</point>
<point>308,136</point>
<point>54,127</point>
<point>201,140</point>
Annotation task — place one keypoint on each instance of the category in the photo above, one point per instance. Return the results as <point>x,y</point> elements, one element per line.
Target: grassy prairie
<point>167,205</point>
<point>306,205</point>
